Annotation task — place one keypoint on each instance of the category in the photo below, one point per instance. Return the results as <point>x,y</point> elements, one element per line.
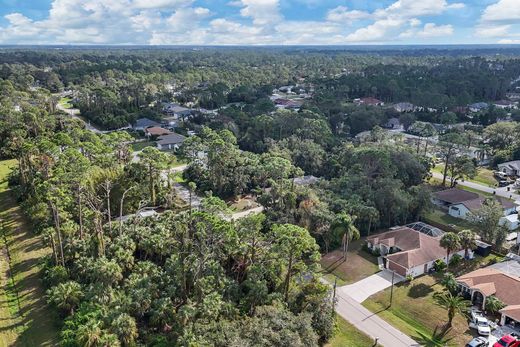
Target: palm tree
<point>468,240</point>
<point>451,242</point>
<point>494,304</point>
<point>89,334</point>
<point>66,296</point>
<point>453,303</point>
<point>344,224</point>
<point>125,328</point>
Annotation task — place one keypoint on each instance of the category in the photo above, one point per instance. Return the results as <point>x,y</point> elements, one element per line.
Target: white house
<point>170,141</point>
<point>510,168</point>
<point>409,252</point>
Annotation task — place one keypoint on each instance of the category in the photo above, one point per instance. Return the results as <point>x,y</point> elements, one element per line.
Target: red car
<point>507,341</point>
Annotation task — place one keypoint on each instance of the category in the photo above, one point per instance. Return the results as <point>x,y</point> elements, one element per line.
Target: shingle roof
<point>455,195</point>
<point>512,311</point>
<point>171,139</point>
<point>156,131</point>
<point>416,248</point>
<point>145,122</point>
<point>507,287</point>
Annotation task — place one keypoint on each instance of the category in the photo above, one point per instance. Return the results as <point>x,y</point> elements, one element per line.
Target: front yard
<point>484,175</point>
<point>415,313</point>
<point>347,335</point>
<point>359,264</point>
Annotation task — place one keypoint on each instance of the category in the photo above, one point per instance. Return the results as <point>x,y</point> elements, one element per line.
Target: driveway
<point>361,290</point>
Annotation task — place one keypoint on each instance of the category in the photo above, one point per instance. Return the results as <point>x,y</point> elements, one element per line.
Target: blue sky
<point>257,22</point>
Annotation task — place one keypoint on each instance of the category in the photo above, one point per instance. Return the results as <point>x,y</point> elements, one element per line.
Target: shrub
<point>455,260</point>
<point>439,265</point>
<point>376,252</point>
<point>409,278</point>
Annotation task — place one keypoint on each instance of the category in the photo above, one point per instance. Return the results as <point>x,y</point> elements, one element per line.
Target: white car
<point>479,322</point>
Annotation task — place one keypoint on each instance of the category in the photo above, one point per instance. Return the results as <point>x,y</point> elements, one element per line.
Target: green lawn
<point>484,175</point>
<point>139,146</point>
<point>415,313</point>
<point>65,102</point>
<point>359,264</point>
<point>438,216</point>
<point>25,319</point>
<point>348,336</point>
<point>437,182</point>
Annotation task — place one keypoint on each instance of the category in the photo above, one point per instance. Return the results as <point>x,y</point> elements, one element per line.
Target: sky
<point>259,22</point>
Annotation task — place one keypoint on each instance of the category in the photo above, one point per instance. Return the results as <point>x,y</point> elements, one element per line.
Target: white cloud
<point>509,41</point>
<point>433,30</point>
<point>261,11</point>
<point>503,10</point>
<point>487,31</point>
<point>342,14</point>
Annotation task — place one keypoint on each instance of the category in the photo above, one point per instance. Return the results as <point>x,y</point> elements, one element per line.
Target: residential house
<point>446,198</point>
<point>370,101</point>
<point>404,107</point>
<point>477,107</point>
<point>515,96</point>
<point>156,131</point>
<point>409,252</point>
<point>480,284</point>
<point>462,204</point>
<point>394,124</point>
<point>505,104</point>
<point>177,110</point>
<point>510,168</point>
<point>170,141</point>
<point>143,123</point>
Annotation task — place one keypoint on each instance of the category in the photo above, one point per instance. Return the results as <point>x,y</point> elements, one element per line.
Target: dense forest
<point>193,276</point>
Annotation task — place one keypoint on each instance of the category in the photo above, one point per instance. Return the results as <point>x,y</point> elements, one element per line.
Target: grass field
<point>415,313</point>
<point>139,146</point>
<point>443,218</point>
<point>484,175</point>
<point>359,264</point>
<point>348,336</point>
<point>65,102</point>
<point>25,319</point>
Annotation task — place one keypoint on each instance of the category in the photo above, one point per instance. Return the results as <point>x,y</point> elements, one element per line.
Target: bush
<point>409,278</point>
<point>455,260</point>
<point>439,265</point>
<point>376,252</point>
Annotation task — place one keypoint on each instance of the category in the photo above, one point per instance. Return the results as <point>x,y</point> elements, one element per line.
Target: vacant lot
<point>348,336</point>
<point>484,175</point>
<point>359,264</point>
<point>415,313</point>
<point>25,319</point>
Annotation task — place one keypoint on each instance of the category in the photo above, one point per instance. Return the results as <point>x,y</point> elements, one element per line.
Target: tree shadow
<point>437,339</point>
<point>419,290</point>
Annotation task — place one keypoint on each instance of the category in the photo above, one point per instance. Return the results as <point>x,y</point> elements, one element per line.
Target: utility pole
<point>392,289</point>
<point>334,292</point>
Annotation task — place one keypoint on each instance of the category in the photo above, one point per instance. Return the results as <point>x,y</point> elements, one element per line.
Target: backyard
<point>446,222</point>
<point>415,312</point>
<point>66,102</point>
<point>25,319</point>
<point>359,264</point>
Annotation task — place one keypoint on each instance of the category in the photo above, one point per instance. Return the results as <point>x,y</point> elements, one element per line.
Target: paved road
<point>361,290</point>
<point>499,191</point>
<point>74,113</point>
<point>370,323</point>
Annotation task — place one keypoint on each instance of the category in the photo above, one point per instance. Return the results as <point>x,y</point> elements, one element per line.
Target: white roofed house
<point>404,107</point>
<point>170,141</point>
<point>510,168</point>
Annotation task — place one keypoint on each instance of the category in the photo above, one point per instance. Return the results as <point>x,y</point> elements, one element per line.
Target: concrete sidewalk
<point>370,323</point>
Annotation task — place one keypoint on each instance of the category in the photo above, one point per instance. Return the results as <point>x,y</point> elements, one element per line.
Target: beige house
<point>480,284</point>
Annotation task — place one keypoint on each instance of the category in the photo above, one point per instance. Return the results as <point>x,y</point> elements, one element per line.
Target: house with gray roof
<point>143,123</point>
<point>170,141</point>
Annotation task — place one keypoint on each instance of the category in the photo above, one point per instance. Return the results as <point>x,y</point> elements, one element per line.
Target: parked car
<point>503,183</point>
<point>479,322</point>
<point>507,341</point>
<point>500,175</point>
<point>477,342</point>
